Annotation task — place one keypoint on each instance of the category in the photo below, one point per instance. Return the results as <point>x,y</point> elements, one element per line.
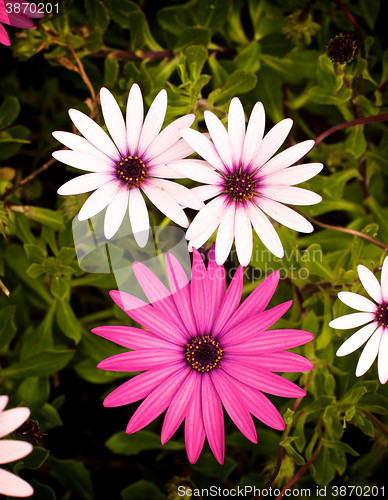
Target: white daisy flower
<point>133,164</point>
<point>247,183</point>
<point>374,315</point>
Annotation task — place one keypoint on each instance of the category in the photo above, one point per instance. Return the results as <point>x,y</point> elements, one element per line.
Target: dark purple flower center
<point>382,315</point>
<point>131,170</point>
<point>240,187</point>
<point>341,49</point>
<point>203,353</point>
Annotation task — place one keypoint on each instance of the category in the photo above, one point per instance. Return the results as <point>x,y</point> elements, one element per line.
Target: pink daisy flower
<point>16,13</point>
<point>129,166</point>
<point>374,315</point>
<point>247,182</point>
<point>11,450</point>
<point>202,351</point>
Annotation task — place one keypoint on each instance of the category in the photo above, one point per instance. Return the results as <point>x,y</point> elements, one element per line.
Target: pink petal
<point>282,361</point>
<point>153,122</point>
<point>138,216</point>
<point>99,200</point>
<point>81,145</point>
<point>168,137</point>
<point>134,338</point>
<point>11,450</point>
<point>254,325</point>
<point>230,303</point>
<point>262,380</point>
<point>13,485</point>
<point>254,135</point>
<point>225,234</point>
<point>114,120</point>
<point>137,361</point>
<point>84,183</point>
<point>287,157</point>
<point>94,133</point>
<point>236,130</point>
<point>213,418</point>
<point>16,20</point>
<point>197,170</point>
<point>290,195</point>
<point>204,148</point>
<point>284,215</point>
<point>12,419</point>
<point>220,138</point>
<point>163,202</point>
<point>217,285</point>
<point>233,404</point>
<point>289,176</point>
<point>180,405</point>
<point>194,429</point>
<point>243,236</point>
<point>265,230</point>
<point>269,341</point>
<point>115,212</point>
<point>4,38</point>
<point>27,9</point>
<point>200,294</point>
<point>156,402</point>
<point>141,386</point>
<point>370,283</point>
<point>134,118</point>
<point>85,161</point>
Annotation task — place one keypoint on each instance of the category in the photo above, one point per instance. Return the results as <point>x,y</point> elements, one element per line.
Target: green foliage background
<point>204,53</point>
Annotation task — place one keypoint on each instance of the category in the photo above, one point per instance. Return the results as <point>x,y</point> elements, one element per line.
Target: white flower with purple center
<point>247,182</point>
<point>374,315</point>
<point>133,164</point>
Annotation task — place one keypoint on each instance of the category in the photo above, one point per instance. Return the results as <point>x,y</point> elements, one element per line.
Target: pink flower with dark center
<point>129,167</point>
<point>11,450</point>
<point>202,351</point>
<point>16,13</point>
<point>246,182</point>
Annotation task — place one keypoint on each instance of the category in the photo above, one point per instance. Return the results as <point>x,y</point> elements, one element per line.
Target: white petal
<point>285,158</point>
<point>153,121</point>
<point>284,215</point>
<point>357,302</point>
<point>271,143</point>
<point>99,200</point>
<point>370,283</point>
<point>290,195</point>
<point>265,230</point>
<point>14,486</point>
<point>84,183</point>
<point>210,215</point>
<point>12,419</point>
<point>138,216</point>
<point>197,170</point>
<point>164,172</point>
<point>204,148</point>
<point>384,282</point>
<point>178,151</point>
<point>134,118</point>
<point>357,339</point>
<point>207,192</point>
<point>114,120</point>
<point>11,450</point>
<point>94,133</point>
<point>84,161</point>
<point>225,234</point>
<point>369,353</point>
<point>220,138</point>
<point>236,129</point>
<point>352,320</point>
<point>168,137</point>
<point>179,193</point>
<point>243,236</point>
<point>78,143</point>
<point>165,204</point>
<point>291,175</point>
<point>382,362</point>
<point>254,135</point>
<point>115,212</point>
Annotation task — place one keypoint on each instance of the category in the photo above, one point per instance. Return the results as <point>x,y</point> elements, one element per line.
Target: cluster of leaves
<point>204,53</point>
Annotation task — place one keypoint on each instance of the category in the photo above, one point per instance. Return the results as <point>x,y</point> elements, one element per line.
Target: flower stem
<point>359,121</point>
<point>301,471</point>
<point>347,230</point>
<point>375,420</point>
<point>306,11</point>
<point>275,472</point>
<point>4,288</point>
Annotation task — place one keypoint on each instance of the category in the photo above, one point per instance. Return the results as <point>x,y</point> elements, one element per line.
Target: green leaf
<point>49,417</point>
<point>136,21</point>
<point>196,57</point>
<point>208,466</point>
<point>292,453</point>
<point>142,490</point>
<point>338,445</point>
<point>97,13</point>
<point>59,288</point>
<point>132,444</point>
<point>73,476</point>
<point>237,83</point>
<point>321,95</point>
<point>316,262</point>
<point>7,325</point>
<point>249,58</point>
<point>34,391</point>
<point>67,321</point>
<point>42,491</point>
<point>335,183</point>
<point>94,40</point>
<point>44,363</point>
<point>35,270</point>
<point>88,370</point>
<point>41,339</point>
<point>269,91</point>
<point>269,442</point>
<point>370,11</point>
<point>36,458</point>
<point>193,36</point>
<point>9,111</point>
<point>355,142</point>
<point>111,71</point>
<point>380,216</point>
<point>50,218</point>
<point>34,253</point>
<point>212,14</point>
<point>320,404</point>
<point>174,19</point>
<point>299,433</point>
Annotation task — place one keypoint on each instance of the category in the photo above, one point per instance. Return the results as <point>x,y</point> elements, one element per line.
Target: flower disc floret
<point>240,187</point>
<point>203,353</point>
<point>382,315</point>
<point>132,171</point>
